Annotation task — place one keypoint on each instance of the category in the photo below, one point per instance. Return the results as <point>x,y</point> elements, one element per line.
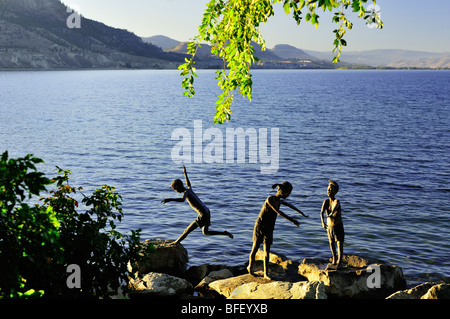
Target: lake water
<point>383,135</point>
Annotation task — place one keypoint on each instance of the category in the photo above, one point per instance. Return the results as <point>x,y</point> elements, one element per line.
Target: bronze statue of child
<point>334,225</point>
<point>265,223</point>
<point>204,217</point>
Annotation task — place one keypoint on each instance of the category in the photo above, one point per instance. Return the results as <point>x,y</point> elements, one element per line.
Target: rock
<point>280,267</point>
<point>226,286</point>
<point>162,256</point>
<point>213,276</point>
<point>275,258</point>
<point>280,290</point>
<point>355,279</point>
<point>195,274</point>
<point>159,285</point>
<point>413,293</point>
<point>439,291</point>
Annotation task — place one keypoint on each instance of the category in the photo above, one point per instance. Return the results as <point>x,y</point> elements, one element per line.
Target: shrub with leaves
<point>29,237</point>
<point>37,243</point>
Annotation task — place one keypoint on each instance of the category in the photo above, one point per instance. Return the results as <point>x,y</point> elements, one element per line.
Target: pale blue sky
<point>408,24</point>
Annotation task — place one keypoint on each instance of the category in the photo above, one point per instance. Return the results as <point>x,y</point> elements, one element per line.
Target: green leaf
<point>231,26</point>
<point>308,17</point>
<point>287,7</point>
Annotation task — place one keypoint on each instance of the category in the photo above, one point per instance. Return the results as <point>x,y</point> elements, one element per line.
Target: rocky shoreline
<point>162,273</point>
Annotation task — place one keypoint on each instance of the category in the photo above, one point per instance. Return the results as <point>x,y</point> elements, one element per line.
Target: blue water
<point>383,135</point>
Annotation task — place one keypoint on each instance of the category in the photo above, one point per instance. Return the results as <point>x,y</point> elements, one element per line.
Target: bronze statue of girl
<point>265,223</point>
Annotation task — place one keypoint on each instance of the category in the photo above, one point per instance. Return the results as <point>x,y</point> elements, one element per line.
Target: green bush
<point>38,242</point>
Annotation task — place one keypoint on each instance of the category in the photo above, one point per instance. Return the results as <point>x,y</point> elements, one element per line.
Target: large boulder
<point>158,285</point>
<point>280,290</point>
<point>428,290</point>
<point>439,291</point>
<point>225,287</point>
<point>162,256</point>
<point>357,278</point>
<point>195,274</point>
<point>280,267</point>
<point>213,276</point>
<point>413,293</point>
<point>282,271</point>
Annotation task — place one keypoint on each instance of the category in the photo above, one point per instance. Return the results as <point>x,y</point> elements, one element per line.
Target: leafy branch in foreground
<point>230,27</point>
<point>38,242</point>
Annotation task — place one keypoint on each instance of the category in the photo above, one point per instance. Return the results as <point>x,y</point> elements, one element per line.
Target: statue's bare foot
<point>266,276</point>
<point>250,271</point>
<point>331,267</point>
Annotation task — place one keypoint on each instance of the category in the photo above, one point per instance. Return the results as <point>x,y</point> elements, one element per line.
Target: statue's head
<point>333,187</point>
<point>177,185</point>
<point>284,189</point>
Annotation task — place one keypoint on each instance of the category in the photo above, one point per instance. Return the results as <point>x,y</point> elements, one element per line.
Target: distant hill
<point>203,52</point>
<point>282,56</point>
<point>391,58</point>
<point>162,41</point>
<point>278,53</point>
<point>289,52</point>
<point>34,35</point>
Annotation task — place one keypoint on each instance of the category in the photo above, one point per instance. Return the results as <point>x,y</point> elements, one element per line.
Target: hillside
<point>391,58</point>
<point>161,41</point>
<point>35,35</point>
<point>281,57</point>
<point>289,52</point>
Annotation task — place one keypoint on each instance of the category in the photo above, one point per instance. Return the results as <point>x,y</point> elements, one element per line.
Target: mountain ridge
<point>283,56</point>
<point>36,35</point>
<point>389,58</point>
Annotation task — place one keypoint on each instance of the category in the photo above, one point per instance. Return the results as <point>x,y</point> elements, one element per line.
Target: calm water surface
<point>384,136</point>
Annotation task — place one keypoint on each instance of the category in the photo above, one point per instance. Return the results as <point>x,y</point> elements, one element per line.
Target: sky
<point>408,24</point>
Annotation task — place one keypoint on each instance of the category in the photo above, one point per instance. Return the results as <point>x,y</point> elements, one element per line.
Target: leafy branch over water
<point>230,26</point>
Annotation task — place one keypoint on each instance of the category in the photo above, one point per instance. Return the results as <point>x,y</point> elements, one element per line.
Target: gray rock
<point>195,274</point>
<point>159,285</point>
<point>213,276</point>
<point>280,290</point>
<point>162,256</point>
<point>428,290</point>
<point>358,278</point>
<point>225,287</point>
<point>413,293</point>
<point>280,267</point>
<point>439,291</point>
